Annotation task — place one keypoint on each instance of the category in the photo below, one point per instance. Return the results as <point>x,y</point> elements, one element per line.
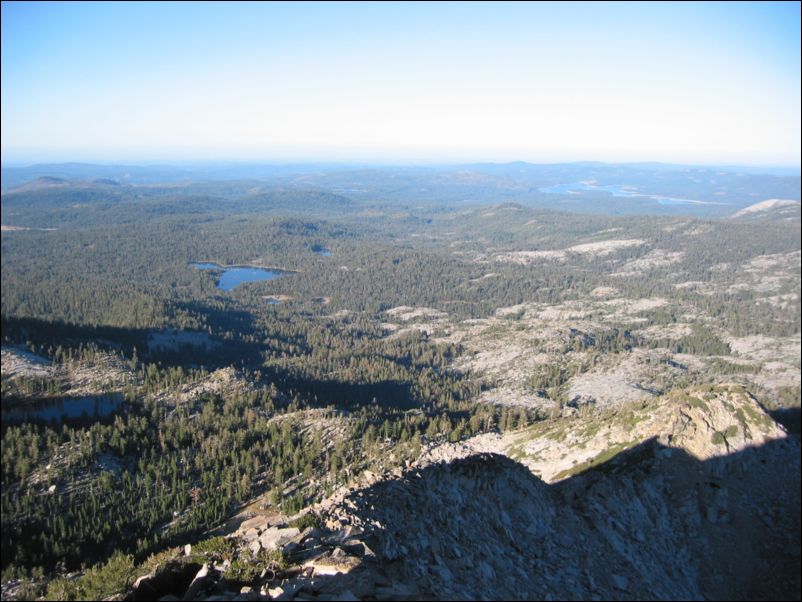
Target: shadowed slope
<point>653,523</point>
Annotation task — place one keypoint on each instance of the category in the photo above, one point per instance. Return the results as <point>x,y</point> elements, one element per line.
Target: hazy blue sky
<point>690,82</point>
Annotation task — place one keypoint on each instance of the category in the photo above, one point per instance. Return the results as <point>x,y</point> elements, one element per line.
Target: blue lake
<point>232,276</point>
<point>321,251</point>
<point>667,200</point>
<point>85,409</point>
<point>616,190</point>
<point>577,187</point>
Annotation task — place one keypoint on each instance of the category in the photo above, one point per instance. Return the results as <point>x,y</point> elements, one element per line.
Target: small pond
<point>86,409</point>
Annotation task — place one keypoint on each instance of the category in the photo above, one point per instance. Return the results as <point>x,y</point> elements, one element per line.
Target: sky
<point>713,83</point>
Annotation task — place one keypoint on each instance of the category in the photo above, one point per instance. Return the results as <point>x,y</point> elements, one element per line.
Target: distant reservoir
<point>623,191</point>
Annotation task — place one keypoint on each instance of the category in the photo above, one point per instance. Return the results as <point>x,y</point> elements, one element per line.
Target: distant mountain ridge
<point>575,187</point>
<point>49,182</point>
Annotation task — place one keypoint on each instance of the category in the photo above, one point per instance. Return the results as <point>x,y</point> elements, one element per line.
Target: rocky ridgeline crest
<point>692,509</point>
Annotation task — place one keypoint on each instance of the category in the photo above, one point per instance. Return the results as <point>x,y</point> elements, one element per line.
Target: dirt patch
<point>278,298</point>
<point>604,291</point>
<point>406,313</point>
<point>16,361</point>
<point>658,258</point>
<point>485,277</point>
<point>515,396</point>
<point>598,249</point>
<point>691,284</point>
<point>527,257</point>
<point>666,331</point>
<point>606,247</point>
<point>106,373</point>
<point>781,301</point>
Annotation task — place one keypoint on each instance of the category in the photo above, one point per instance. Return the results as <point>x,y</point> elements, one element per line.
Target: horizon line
<point>380,163</point>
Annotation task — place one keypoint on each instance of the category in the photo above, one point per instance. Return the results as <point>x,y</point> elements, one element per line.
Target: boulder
<point>202,580</point>
<point>357,548</point>
<point>619,581</point>
<point>285,591</point>
<point>257,522</point>
<point>170,580</point>
<point>333,565</point>
<point>274,538</point>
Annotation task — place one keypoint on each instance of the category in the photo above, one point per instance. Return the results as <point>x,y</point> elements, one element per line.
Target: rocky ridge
<point>691,509</point>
